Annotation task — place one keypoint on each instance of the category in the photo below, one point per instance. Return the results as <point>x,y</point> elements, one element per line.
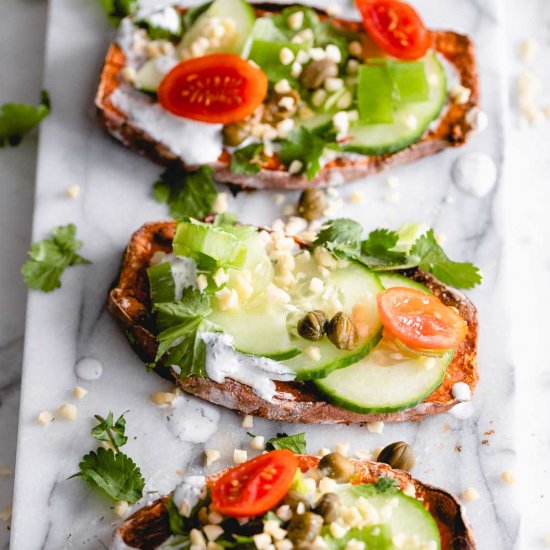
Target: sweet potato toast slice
<point>452,129</point>
<point>149,526</point>
<point>296,402</point>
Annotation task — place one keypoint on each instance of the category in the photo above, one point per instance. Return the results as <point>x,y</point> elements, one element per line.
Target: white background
<point>22,28</point>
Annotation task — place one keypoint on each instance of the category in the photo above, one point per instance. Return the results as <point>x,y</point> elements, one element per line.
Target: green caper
<point>234,134</point>
<point>328,506</point>
<point>304,527</point>
<point>337,466</point>
<point>312,325</point>
<point>312,204</point>
<point>342,332</point>
<point>398,455</point>
<point>316,72</point>
<point>294,498</point>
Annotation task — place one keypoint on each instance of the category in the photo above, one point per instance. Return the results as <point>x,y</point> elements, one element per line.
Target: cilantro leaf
<point>187,194</point>
<point>305,146</point>
<point>248,159</point>
<point>295,443</point>
<point>108,430</point>
<point>429,256</point>
<point>114,473</point>
<point>340,235</point>
<point>17,119</point>
<point>50,257</point>
<point>180,323</point>
<point>119,9</point>
<point>378,245</point>
<point>385,484</point>
<point>177,523</point>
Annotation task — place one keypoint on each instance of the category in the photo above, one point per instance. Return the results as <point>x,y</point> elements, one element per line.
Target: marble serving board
<point>71,324</point>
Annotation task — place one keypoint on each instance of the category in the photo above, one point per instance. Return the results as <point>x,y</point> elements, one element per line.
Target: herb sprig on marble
<point>109,469</point>
<point>387,250</point>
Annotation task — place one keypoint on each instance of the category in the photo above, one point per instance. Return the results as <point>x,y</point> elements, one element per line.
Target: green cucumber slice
<point>353,284</point>
<point>387,380</point>
<point>404,515</point>
<point>375,537</point>
<point>375,139</point>
<point>239,11</point>
<point>395,279</point>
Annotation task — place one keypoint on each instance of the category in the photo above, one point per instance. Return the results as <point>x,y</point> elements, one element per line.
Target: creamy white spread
<point>89,369</point>
<point>167,18</point>
<point>222,361</point>
<point>475,173</point>
<point>188,493</point>
<point>194,142</point>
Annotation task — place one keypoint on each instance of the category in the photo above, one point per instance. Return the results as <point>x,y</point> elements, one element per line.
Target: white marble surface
<point>72,323</point>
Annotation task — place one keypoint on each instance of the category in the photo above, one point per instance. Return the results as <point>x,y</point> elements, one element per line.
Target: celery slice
<point>409,80</point>
<point>161,283</point>
<point>375,95</point>
<point>209,246</point>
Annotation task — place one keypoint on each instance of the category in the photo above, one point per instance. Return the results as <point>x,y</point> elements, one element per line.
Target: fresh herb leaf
<point>385,484</point>
<point>50,257</point>
<point>180,324</point>
<point>304,146</point>
<point>187,194</point>
<point>429,256</point>
<point>119,9</point>
<point>376,537</point>
<point>177,523</point>
<point>108,430</point>
<point>114,473</point>
<point>248,159</point>
<point>340,235</point>
<point>17,119</point>
<point>377,247</point>
<point>295,443</point>
<point>161,33</point>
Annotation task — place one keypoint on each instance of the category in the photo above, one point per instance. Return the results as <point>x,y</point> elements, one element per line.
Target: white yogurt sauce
<point>222,361</point>
<point>188,493</point>
<point>461,391</point>
<point>462,410</point>
<point>478,119</point>
<point>194,142</point>
<point>475,173</point>
<point>89,369</point>
<point>167,18</point>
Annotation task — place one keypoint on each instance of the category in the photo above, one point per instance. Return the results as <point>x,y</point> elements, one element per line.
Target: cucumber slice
<point>242,15</point>
<point>403,514</point>
<point>375,139</point>
<point>150,75</point>
<point>395,279</point>
<point>387,380</point>
<point>352,285</point>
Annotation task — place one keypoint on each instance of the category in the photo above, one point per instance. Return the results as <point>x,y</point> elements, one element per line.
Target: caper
<point>337,466</point>
<point>294,498</point>
<point>328,506</point>
<point>342,332</point>
<point>316,72</point>
<point>304,527</point>
<point>312,325</point>
<point>312,204</point>
<point>398,455</point>
<point>234,134</point>
<point>276,110</point>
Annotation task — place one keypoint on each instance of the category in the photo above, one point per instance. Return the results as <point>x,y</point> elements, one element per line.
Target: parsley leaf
<point>108,430</point>
<point>429,256</point>
<point>50,257</point>
<point>180,323</point>
<point>114,473</point>
<point>377,247</point>
<point>305,146</point>
<point>341,236</point>
<point>119,9</point>
<point>295,443</point>
<point>177,523</point>
<point>187,194</point>
<point>17,119</point>
<point>248,159</point>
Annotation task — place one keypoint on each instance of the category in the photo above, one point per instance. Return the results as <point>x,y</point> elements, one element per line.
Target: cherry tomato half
<point>421,321</point>
<point>217,88</point>
<point>395,27</point>
<point>253,488</point>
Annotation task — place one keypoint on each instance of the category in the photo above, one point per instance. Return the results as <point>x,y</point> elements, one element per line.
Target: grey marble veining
<point>72,323</point>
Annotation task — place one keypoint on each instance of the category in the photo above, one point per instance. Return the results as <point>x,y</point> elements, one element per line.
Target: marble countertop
<point>528,262</point>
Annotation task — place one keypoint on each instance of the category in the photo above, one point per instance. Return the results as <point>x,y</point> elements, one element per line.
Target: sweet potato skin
<point>148,527</point>
<point>297,402</point>
<point>453,129</point>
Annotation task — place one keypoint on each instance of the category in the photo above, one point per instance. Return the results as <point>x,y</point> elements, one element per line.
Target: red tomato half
<point>217,88</point>
<point>395,27</point>
<point>253,488</point>
<point>421,321</point>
